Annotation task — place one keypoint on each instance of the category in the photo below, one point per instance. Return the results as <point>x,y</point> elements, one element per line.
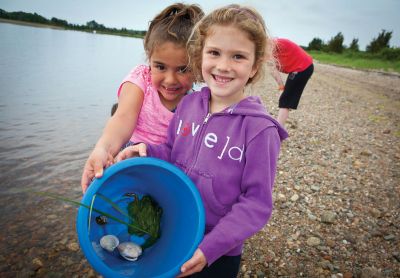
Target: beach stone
<point>375,212</point>
<point>396,255</point>
<point>313,241</point>
<point>371,272</point>
<point>260,274</point>
<point>294,198</point>
<point>389,237</point>
<point>328,217</point>
<point>281,197</point>
<point>347,275</point>
<point>73,246</point>
<point>311,217</point>
<point>337,275</point>
<point>315,188</point>
<point>37,263</point>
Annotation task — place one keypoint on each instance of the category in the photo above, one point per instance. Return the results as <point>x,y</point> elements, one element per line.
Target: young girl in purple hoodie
<point>223,140</point>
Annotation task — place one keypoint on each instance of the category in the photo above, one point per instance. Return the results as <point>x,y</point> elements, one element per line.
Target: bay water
<point>56,92</point>
<point>57,88</point>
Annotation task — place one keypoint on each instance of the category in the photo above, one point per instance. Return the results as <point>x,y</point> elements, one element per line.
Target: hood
<point>250,106</point>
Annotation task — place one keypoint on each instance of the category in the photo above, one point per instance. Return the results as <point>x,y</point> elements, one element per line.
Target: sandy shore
<point>337,193</point>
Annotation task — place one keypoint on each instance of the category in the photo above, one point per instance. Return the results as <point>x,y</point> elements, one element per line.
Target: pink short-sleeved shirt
<point>153,118</point>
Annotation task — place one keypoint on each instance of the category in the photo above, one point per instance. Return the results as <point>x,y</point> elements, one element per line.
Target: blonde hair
<point>173,24</point>
<point>245,19</point>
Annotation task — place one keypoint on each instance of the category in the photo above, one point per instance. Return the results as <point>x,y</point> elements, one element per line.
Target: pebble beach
<point>337,192</point>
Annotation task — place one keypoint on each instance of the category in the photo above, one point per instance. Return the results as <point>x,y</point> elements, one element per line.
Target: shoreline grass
<point>356,61</point>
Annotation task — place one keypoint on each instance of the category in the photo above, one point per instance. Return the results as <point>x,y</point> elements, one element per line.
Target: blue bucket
<point>182,221</point>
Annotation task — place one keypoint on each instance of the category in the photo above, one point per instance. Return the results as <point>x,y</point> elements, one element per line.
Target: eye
<point>184,69</point>
<point>238,57</point>
<point>213,53</point>
<point>159,67</point>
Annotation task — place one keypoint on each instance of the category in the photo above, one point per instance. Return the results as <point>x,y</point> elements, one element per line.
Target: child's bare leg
<point>283,114</point>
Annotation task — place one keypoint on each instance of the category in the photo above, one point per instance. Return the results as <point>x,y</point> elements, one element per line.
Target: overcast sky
<point>300,21</point>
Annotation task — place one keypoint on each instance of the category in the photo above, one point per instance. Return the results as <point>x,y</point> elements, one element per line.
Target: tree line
<point>91,26</point>
<point>379,47</point>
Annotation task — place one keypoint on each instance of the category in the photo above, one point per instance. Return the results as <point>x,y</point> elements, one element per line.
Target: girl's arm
<point>117,132</point>
<point>278,78</point>
<point>161,151</point>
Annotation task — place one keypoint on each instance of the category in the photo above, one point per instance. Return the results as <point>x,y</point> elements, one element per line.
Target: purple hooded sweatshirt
<point>231,156</point>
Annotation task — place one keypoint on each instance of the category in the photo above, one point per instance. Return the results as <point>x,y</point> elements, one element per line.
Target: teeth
<point>222,79</point>
<point>171,89</point>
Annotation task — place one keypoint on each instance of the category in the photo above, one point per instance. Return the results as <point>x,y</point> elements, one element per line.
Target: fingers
<point>85,181</point>
<point>142,150</point>
<point>195,264</point>
<point>93,168</point>
<point>132,151</point>
<point>110,160</point>
<point>189,268</point>
<point>100,159</point>
<point>121,156</point>
<point>98,169</point>
<point>87,177</point>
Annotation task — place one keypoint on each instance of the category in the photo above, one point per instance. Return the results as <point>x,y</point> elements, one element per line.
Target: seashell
<point>130,250</point>
<point>109,242</point>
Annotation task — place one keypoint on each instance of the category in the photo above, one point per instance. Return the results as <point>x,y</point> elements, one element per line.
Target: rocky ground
<point>337,193</point>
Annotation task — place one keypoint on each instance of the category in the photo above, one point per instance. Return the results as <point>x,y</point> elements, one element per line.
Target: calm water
<point>57,88</point>
<point>56,92</point>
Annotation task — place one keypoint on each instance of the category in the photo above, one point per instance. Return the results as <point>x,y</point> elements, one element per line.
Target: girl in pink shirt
<point>150,93</point>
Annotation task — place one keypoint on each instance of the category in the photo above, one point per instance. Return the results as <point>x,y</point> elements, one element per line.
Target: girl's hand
<point>132,151</point>
<point>195,264</point>
<point>281,88</point>
<point>97,161</point>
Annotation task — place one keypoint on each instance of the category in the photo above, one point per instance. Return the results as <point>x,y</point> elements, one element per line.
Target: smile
<point>221,79</point>
<point>171,90</point>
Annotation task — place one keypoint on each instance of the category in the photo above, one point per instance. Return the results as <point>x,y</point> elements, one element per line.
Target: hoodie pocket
<point>205,185</point>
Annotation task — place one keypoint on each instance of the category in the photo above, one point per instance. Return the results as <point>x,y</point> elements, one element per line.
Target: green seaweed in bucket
<point>144,217</point>
<point>90,208</point>
<point>146,214</point>
<point>150,217</point>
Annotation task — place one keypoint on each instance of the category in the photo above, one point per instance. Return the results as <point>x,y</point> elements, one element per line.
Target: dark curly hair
<point>174,24</point>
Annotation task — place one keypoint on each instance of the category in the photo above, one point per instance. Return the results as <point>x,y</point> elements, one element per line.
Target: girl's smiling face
<point>169,74</point>
<point>228,61</point>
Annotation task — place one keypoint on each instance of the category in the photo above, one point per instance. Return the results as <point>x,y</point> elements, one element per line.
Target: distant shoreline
<point>25,23</point>
<point>40,25</point>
